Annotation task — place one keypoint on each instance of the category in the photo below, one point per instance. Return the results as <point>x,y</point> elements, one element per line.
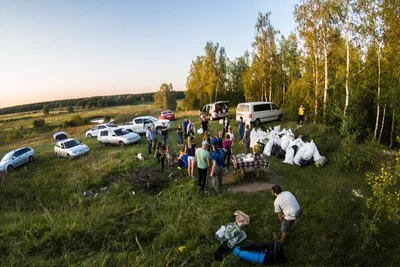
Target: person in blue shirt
<point>241,128</point>
<point>217,168</point>
<point>185,126</point>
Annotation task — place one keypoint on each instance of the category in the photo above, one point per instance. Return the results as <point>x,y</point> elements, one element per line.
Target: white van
<point>258,112</point>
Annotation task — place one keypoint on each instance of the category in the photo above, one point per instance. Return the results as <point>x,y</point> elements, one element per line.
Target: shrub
<point>70,109</point>
<point>76,120</point>
<point>39,123</point>
<point>46,110</point>
<point>14,134</point>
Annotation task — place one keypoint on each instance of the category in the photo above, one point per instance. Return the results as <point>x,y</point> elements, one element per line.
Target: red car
<point>167,115</point>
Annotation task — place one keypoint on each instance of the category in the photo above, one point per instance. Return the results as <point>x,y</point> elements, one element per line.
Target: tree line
<point>342,63</point>
<point>87,102</point>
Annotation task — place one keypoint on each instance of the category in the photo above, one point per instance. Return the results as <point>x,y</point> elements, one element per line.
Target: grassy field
<point>46,221</point>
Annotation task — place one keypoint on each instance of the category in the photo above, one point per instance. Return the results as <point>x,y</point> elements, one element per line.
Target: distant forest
<point>88,102</point>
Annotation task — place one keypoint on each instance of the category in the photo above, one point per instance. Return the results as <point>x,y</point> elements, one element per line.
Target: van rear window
<point>243,108</point>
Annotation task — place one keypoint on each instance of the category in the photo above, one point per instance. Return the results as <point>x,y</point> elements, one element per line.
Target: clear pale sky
<point>52,49</point>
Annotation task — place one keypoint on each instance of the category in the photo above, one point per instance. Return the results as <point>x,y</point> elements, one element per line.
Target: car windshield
<point>153,119</point>
<point>8,156</point>
<point>71,143</point>
<point>121,131</point>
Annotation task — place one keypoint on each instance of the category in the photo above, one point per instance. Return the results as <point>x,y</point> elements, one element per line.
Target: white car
<point>68,147</point>
<point>117,136</point>
<point>139,125</point>
<point>16,158</point>
<point>94,132</point>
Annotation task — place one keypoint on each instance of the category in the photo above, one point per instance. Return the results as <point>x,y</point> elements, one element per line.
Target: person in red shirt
<point>227,146</point>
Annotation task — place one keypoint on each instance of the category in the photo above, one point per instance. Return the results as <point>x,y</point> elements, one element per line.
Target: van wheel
<point>257,122</point>
<point>280,117</point>
<point>89,136</point>
<point>10,168</point>
<point>210,118</point>
<point>121,144</point>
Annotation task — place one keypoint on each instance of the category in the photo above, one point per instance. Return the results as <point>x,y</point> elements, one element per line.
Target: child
<point>160,154</point>
<point>169,157</point>
<point>183,159</point>
<point>180,135</point>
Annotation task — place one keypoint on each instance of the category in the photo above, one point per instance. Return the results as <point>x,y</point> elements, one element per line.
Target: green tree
<point>165,97</point>
<point>46,110</point>
<point>70,109</point>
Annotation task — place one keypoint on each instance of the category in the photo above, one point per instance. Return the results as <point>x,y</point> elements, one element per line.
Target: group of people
<point>213,156</point>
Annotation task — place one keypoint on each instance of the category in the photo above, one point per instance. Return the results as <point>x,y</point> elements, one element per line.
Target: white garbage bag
<point>277,140</point>
<point>285,140</point>
<point>308,154</point>
<point>200,131</point>
<point>284,131</point>
<point>299,155</point>
<point>290,133</point>
<point>268,148</point>
<point>289,156</point>
<point>253,138</point>
<point>277,129</point>
<point>316,155</point>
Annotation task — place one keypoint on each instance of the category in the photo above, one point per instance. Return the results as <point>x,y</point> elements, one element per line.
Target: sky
<point>53,49</point>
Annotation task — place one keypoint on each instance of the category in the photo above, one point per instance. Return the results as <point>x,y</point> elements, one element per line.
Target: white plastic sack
<point>299,155</point>
<point>284,131</point>
<point>253,138</point>
<point>317,156</point>
<point>277,140</point>
<point>290,133</point>
<point>268,148</point>
<point>285,140</point>
<point>277,129</point>
<point>289,156</point>
<point>308,154</point>
<point>200,131</point>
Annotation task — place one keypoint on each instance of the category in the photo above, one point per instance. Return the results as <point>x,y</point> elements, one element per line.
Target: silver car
<point>68,147</point>
<point>119,136</point>
<point>16,158</point>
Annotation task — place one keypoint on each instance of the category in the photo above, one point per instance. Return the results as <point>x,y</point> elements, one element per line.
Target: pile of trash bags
<point>283,144</point>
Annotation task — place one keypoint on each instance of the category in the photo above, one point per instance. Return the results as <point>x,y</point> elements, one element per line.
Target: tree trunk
<point>346,104</point>
<point>270,90</point>
<point>326,76</point>
<point>392,130</point>
<point>283,94</point>
<point>379,91</point>
<point>383,123</point>
<point>316,83</point>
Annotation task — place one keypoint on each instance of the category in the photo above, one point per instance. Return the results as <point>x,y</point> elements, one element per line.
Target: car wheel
<point>280,117</point>
<point>158,130</point>
<point>121,144</point>
<point>10,168</point>
<point>257,122</point>
<point>58,156</point>
<point>30,159</point>
<point>89,136</point>
<point>210,118</point>
<point>68,156</point>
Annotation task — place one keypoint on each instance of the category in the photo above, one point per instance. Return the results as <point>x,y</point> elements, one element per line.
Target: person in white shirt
<point>287,209</point>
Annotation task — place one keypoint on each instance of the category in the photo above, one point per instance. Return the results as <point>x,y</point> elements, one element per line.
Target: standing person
<point>241,128</point>
<point>217,167</point>
<point>204,125</point>
<point>149,138</point>
<point>203,163</point>
<point>190,132</point>
<point>230,132</point>
<point>220,140</point>
<point>191,151</point>
<point>246,140</point>
<point>301,115</point>
<point>287,209</point>
<point>164,134</point>
<point>160,153</point>
<point>179,131</point>
<point>227,145</point>
<point>169,156</point>
<point>154,134</point>
<point>185,128</point>
<point>226,125</point>
<point>206,137</point>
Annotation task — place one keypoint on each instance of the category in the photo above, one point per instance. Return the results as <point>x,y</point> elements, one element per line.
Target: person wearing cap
<point>203,163</point>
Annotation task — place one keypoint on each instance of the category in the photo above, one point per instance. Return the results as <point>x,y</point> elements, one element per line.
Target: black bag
<point>275,149</point>
<point>304,162</point>
<point>281,154</point>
